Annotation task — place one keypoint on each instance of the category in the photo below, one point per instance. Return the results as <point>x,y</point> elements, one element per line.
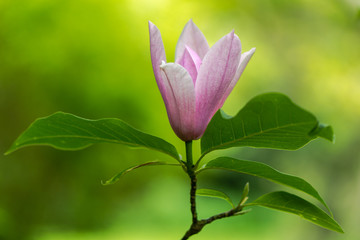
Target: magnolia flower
<point>198,83</point>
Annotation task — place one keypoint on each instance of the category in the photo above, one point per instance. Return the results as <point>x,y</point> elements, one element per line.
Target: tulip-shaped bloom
<point>198,83</point>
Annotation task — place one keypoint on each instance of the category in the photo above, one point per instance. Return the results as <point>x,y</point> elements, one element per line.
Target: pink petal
<point>191,36</point>
<point>245,58</point>
<point>180,92</point>
<point>215,75</point>
<point>157,52</point>
<point>191,62</point>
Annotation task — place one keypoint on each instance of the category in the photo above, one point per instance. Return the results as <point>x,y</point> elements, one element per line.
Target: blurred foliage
<point>91,58</point>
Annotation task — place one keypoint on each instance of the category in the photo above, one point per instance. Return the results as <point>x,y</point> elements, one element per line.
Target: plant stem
<point>189,157</point>
<point>193,180</point>
<point>191,172</point>
<point>197,225</point>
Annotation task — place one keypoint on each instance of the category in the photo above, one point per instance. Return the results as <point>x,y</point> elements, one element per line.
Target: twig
<point>197,225</point>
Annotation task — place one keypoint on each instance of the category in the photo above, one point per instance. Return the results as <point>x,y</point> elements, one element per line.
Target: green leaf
<point>215,194</point>
<point>269,120</point>
<point>290,203</point>
<point>244,196</point>
<point>264,171</point>
<point>68,132</point>
<point>116,177</point>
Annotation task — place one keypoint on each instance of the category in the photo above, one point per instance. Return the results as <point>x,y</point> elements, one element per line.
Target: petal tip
<point>231,34</point>
<point>163,64</point>
<point>152,26</point>
<point>251,51</point>
<point>190,22</point>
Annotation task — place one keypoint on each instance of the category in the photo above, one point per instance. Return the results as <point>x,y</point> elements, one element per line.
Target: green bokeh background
<point>91,58</point>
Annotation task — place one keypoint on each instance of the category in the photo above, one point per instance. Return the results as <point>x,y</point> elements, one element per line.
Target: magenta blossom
<point>198,83</point>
